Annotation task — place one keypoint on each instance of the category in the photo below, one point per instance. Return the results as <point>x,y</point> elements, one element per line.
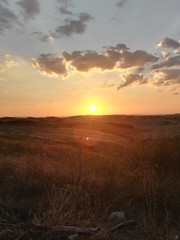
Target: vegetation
<point>53,183</point>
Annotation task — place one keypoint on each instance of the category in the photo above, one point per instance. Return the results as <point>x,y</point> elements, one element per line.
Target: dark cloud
<point>172,61</point>
<point>50,65</point>
<point>30,8</point>
<point>85,61</point>
<point>45,37</point>
<point>166,77</point>
<point>65,11</point>
<point>164,73</point>
<point>121,4</point>
<point>132,78</point>
<point>169,59</point>
<point>137,67</point>
<point>8,19</point>
<point>110,59</point>
<point>74,26</point>
<point>64,5</point>
<point>84,17</point>
<point>169,62</point>
<point>137,58</point>
<point>118,47</point>
<point>168,43</point>
<point>4,1</point>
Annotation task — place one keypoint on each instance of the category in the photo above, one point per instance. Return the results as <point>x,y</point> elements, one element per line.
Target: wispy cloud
<point>74,26</point>
<point>29,8</point>
<point>118,47</point>
<point>4,1</point>
<point>64,6</point>
<point>68,29</point>
<point>7,63</point>
<point>131,79</point>
<point>121,4</point>
<point>8,19</point>
<point>45,37</point>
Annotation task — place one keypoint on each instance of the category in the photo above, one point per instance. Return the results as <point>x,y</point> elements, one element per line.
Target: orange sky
<point>58,57</point>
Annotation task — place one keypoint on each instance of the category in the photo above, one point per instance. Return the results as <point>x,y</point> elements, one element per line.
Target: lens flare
<point>87,138</point>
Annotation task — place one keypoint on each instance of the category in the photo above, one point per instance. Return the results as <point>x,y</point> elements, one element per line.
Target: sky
<point>58,57</point>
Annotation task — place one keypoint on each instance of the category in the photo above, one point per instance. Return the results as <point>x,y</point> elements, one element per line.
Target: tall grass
<point>51,183</point>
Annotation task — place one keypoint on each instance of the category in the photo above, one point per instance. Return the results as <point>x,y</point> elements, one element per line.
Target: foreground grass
<point>51,183</point>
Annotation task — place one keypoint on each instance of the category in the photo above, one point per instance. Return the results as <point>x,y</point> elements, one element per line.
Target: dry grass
<point>51,183</point>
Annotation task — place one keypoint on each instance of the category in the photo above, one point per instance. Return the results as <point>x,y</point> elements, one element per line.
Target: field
<point>76,171</point>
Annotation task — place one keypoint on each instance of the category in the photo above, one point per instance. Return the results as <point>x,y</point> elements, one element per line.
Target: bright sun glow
<point>93,108</point>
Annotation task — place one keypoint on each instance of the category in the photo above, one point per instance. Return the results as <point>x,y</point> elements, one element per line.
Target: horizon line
<point>94,115</point>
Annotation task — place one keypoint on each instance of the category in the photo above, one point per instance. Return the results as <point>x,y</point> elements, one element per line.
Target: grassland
<point>76,171</point>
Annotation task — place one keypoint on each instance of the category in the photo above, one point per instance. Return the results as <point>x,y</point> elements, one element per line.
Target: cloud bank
<point>134,67</point>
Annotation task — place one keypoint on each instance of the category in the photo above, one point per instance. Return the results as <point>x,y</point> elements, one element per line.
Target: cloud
<point>137,67</point>
<point>8,19</point>
<point>85,61</point>
<point>168,43</point>
<point>74,26</point>
<point>50,65</point>
<point>118,47</point>
<point>121,4</point>
<point>168,62</point>
<point>137,58</point>
<point>64,5</point>
<point>8,63</point>
<point>4,1</point>
<point>63,10</point>
<point>112,58</point>
<point>165,53</point>
<point>30,8</point>
<point>132,78</point>
<point>169,59</point>
<point>166,77</point>
<point>45,38</point>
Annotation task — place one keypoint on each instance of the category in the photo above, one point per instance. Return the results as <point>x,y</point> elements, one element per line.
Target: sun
<point>92,108</point>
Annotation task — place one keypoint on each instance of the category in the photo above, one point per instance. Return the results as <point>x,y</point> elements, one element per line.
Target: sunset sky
<point>58,57</point>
